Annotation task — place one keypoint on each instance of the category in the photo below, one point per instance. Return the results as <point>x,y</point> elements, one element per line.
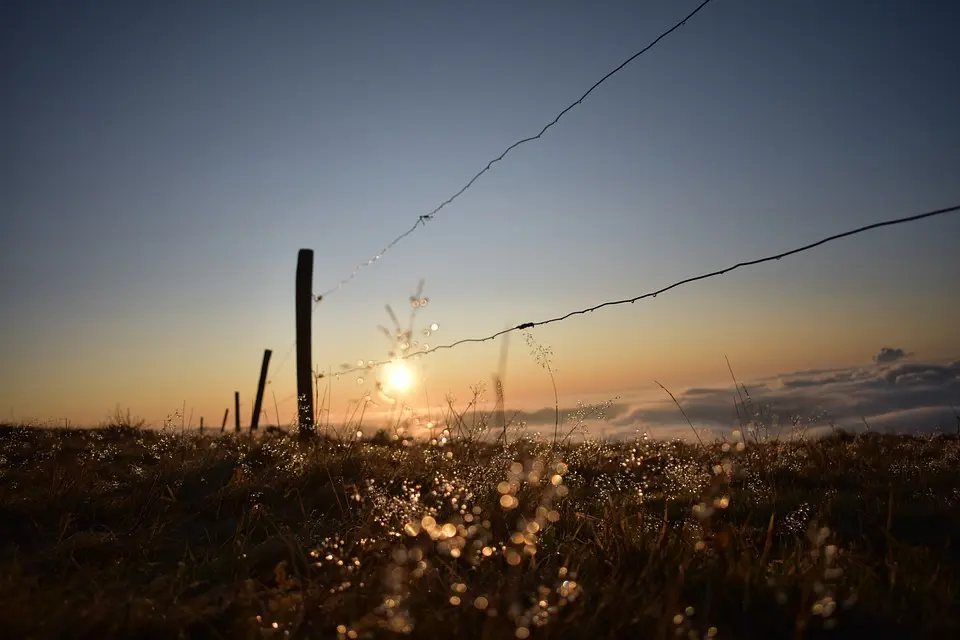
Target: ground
<point>126,532</point>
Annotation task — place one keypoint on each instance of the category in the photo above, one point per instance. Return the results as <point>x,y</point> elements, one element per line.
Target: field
<point>126,532</point>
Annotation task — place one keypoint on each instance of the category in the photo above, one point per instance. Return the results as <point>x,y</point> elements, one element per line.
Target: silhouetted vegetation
<point>126,532</point>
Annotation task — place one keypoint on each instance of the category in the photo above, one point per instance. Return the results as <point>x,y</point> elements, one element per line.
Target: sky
<point>163,163</point>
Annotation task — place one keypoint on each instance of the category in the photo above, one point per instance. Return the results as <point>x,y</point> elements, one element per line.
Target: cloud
<point>922,373</point>
<point>888,395</point>
<point>888,355</point>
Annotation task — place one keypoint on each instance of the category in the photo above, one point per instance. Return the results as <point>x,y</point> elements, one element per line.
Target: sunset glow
<point>398,377</point>
<point>487,320</point>
<point>162,186</point>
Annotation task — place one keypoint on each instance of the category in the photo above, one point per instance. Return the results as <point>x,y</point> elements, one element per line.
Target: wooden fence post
<point>201,424</point>
<point>304,309</point>
<point>260,386</point>
<point>223,425</point>
<point>236,411</point>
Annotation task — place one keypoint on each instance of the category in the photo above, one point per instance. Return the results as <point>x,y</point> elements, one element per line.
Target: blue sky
<point>163,163</point>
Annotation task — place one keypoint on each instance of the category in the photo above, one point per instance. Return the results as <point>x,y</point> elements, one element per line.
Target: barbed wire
<point>283,361</point>
<point>370,364</point>
<point>423,219</point>
<point>654,294</point>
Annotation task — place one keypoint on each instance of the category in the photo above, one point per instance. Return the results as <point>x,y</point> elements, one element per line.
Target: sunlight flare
<point>398,376</point>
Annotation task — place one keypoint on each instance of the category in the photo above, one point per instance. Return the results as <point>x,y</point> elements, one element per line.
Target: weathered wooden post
<point>223,425</point>
<point>304,309</point>
<point>236,411</point>
<point>255,419</point>
<point>201,424</point>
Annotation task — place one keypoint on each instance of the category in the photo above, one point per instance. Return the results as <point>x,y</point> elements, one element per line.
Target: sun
<point>399,377</point>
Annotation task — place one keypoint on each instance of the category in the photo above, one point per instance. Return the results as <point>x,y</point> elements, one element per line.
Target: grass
<point>128,532</point>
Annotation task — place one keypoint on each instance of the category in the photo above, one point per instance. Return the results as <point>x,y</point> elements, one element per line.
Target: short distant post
<point>304,309</point>
<point>223,425</point>
<point>260,385</point>
<point>236,411</point>
<point>201,424</point>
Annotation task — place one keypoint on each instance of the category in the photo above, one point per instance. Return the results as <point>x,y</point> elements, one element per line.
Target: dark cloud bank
<point>893,394</point>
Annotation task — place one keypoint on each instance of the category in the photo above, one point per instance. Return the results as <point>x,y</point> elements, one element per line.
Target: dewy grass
<point>113,533</point>
<point>544,358</point>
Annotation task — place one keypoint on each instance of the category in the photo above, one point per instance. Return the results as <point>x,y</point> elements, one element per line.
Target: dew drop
<point>359,363</point>
<point>426,332</point>
<point>434,326</point>
<point>360,380</point>
<point>424,301</point>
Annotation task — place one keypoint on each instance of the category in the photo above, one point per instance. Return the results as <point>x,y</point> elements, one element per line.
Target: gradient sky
<point>161,164</point>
